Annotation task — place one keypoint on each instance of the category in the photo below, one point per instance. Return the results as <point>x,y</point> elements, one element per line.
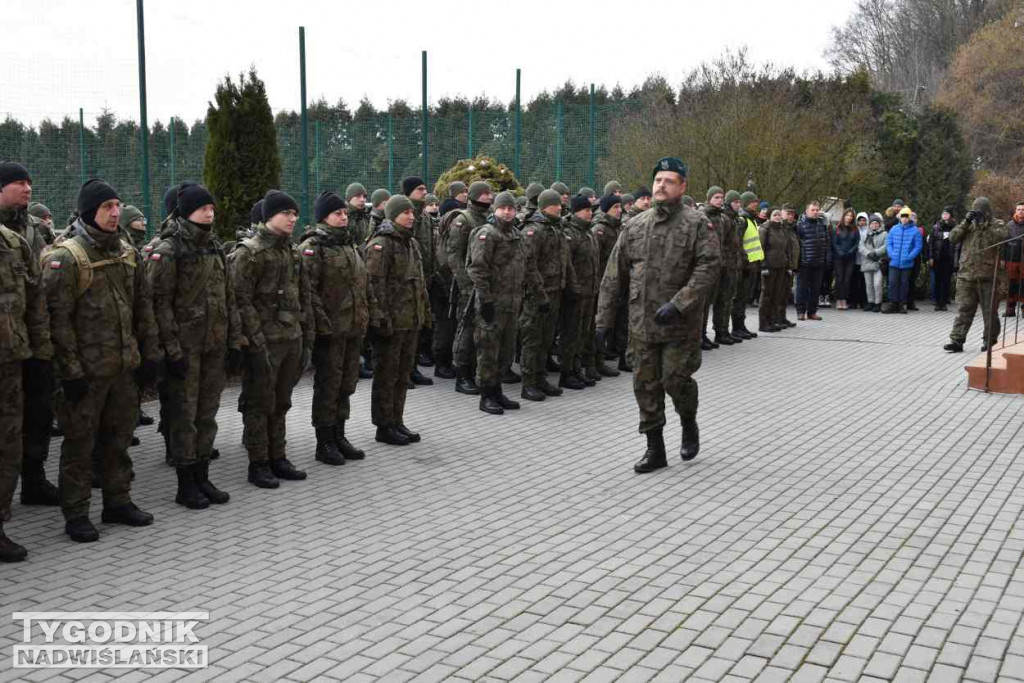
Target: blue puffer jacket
<point>815,245</point>
<point>903,245</point>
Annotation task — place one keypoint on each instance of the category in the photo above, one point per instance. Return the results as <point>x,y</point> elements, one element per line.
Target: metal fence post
<point>519,128</point>
<point>304,123</point>
<point>593,143</point>
<point>81,145</point>
<point>470,132</point>
<point>425,133</point>
<point>316,156</point>
<point>143,125</point>
<point>391,153</point>
<point>558,141</point>
<point>172,152</point>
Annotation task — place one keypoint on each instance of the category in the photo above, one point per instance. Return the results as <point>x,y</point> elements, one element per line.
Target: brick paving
<point>853,515</point>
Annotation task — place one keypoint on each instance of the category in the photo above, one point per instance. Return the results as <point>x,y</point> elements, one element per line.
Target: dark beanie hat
<point>326,204</point>
<point>579,202</point>
<point>396,206</point>
<point>688,200</point>
<point>456,188</point>
<point>549,198</point>
<point>950,209</point>
<point>504,199</point>
<point>170,200</point>
<point>192,197</point>
<point>610,200</point>
<point>12,172</point>
<point>449,205</point>
<point>533,191</point>
<point>586,192</point>
<point>560,187</point>
<point>748,197</point>
<point>410,184</point>
<point>642,192</point>
<point>93,193</point>
<point>353,190</point>
<point>256,212</point>
<point>478,189</point>
<point>276,201</point>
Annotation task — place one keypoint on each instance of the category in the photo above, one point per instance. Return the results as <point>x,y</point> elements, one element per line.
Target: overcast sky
<point>59,55</point>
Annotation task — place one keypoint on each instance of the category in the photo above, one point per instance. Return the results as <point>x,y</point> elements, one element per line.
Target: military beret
<point>670,164</point>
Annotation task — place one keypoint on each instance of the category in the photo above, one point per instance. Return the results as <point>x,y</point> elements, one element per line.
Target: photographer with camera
<point>975,280</point>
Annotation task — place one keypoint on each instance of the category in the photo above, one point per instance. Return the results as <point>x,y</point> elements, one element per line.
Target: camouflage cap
<point>478,188</point>
<point>560,187</point>
<point>353,190</point>
<point>379,195</point>
<point>504,199</point>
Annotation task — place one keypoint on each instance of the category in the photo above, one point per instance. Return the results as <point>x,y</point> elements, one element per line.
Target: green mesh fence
<point>378,152</point>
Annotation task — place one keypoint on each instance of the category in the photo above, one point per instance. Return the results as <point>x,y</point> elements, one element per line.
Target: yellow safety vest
<point>752,243</point>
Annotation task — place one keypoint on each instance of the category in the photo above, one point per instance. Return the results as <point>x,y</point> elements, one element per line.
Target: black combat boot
<point>35,489</point>
<point>464,384</point>
<point>706,344</point>
<point>739,333</point>
<point>326,449</point>
<point>724,339</point>
<point>443,367</point>
<point>212,493</point>
<point>953,347</point>
<point>9,550</point>
<point>424,359</point>
<point>364,371</point>
<point>691,440</point>
<point>746,331</point>
<point>261,476</point>
<point>214,453</point>
<point>548,388</point>
<point>390,435</point>
<point>283,469</point>
<point>413,437</point>
<point>505,401</point>
<point>128,514</point>
<point>81,530</point>
<point>605,371</point>
<point>654,456</point>
<point>624,365</point>
<point>532,393</point>
<point>510,376</point>
<point>489,401</point>
<point>583,377</point>
<point>344,445</point>
<point>569,381</point>
<point>189,494</point>
<point>56,429</point>
<point>552,365</point>
<point>419,379</point>
<point>144,419</point>
<point>591,374</point>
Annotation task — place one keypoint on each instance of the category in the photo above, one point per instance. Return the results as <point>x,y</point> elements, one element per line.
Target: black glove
<point>544,307</point>
<point>380,331</point>
<point>40,372</point>
<point>601,333</point>
<point>971,216</point>
<point>148,372</point>
<point>233,364</point>
<point>178,369</point>
<point>487,312</point>
<point>667,314</point>
<point>321,343</point>
<point>75,389</point>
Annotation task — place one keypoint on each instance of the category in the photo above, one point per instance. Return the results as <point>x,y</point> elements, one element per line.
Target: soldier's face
<point>337,219</point>
<point>717,200</point>
<point>203,215</point>
<point>462,197</point>
<point>419,193</point>
<point>736,205</point>
<point>627,207</point>
<point>669,186</point>
<point>615,211</point>
<point>552,211</point>
<point>17,194</point>
<point>359,201</point>
<point>505,213</point>
<point>752,208</point>
<point>643,203</point>
<point>139,224</point>
<point>283,223</point>
<point>565,200</point>
<point>431,208</point>
<point>585,214</point>
<point>485,198</point>
<point>48,222</point>
<point>405,219</point>
<point>108,215</point>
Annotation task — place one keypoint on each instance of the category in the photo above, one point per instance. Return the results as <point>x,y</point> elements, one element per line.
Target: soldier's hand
<point>487,312</point>
<point>971,216</point>
<point>178,368</point>
<point>380,330</point>
<point>667,314</point>
<point>75,389</point>
<point>233,362</point>
<point>601,333</point>
<point>148,372</point>
<point>41,372</point>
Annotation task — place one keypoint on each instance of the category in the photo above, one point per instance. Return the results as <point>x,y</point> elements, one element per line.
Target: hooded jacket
<point>903,245</point>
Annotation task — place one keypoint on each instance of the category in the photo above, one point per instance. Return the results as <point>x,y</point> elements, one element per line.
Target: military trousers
<point>971,295</point>
<point>336,371</point>
<point>445,320</point>
<point>266,398</point>
<point>746,276</point>
<point>104,418</point>
<point>12,404</point>
<point>463,348</point>
<point>192,405</point>
<point>495,345</point>
<point>664,368</point>
<point>772,308</point>
<point>586,344</point>
<point>38,418</point>
<point>718,305</point>
<point>569,330</point>
<point>537,330</point>
<point>393,359</point>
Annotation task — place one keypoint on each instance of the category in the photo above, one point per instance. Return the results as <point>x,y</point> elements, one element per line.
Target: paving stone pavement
<point>853,515</point>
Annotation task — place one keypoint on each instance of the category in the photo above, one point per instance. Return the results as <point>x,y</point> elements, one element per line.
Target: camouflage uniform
<point>974,280</point>
<point>578,344</point>
<point>456,249</point>
<point>337,292</point>
<point>195,311</point>
<point>101,335</point>
<point>668,253</point>
<point>397,310</point>
<point>497,269</point>
<point>24,334</point>
<point>548,253</point>
<point>423,232</point>
<point>272,295</point>
<point>606,231</point>
<point>359,224</point>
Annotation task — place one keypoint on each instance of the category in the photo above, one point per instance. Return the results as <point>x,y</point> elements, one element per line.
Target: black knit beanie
<point>326,204</point>
<point>276,201</point>
<point>610,200</point>
<point>410,184</point>
<point>191,197</point>
<point>579,202</point>
<point>93,193</point>
<point>256,212</point>
<point>12,172</point>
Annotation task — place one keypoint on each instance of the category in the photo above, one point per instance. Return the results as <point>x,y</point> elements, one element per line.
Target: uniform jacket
<point>739,227</point>
<point>423,231</point>
<point>977,262</point>
<point>497,267</point>
<point>457,247</point>
<point>193,302</point>
<point>26,225</point>
<point>337,281</point>
<point>271,289</point>
<point>108,328</point>
<point>359,224</point>
<point>546,248</point>
<point>728,237</point>
<point>397,294</point>
<point>584,255</point>
<point>606,231</point>
<point>668,253</point>
<point>24,321</point>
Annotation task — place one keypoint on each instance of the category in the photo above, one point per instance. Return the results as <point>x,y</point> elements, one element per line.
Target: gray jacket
<point>871,250</point>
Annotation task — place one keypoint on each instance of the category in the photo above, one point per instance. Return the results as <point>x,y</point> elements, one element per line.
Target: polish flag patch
<point>147,248</point>
<point>482,237</point>
<point>155,257</point>
<point>308,252</point>
<point>377,247</point>
<point>600,232</point>
<point>529,233</point>
<point>55,265</point>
